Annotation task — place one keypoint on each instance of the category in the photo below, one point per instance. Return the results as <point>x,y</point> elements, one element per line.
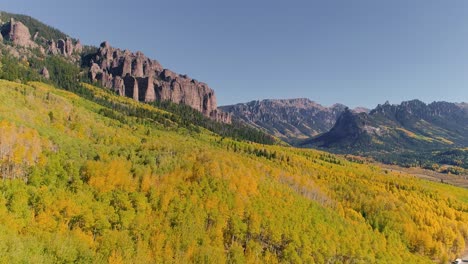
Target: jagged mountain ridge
<point>411,125</point>
<point>129,74</point>
<point>289,119</point>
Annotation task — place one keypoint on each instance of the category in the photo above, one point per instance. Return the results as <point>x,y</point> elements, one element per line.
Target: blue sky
<point>359,53</point>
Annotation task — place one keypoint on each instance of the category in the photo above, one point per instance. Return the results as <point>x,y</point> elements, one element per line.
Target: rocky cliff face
<point>289,119</point>
<point>64,47</point>
<point>129,74</point>
<point>18,34</point>
<point>136,76</point>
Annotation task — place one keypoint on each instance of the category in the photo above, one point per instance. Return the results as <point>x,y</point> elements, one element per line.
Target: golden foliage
<point>106,190</point>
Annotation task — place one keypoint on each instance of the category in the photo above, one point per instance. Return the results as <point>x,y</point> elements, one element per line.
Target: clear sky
<point>359,52</point>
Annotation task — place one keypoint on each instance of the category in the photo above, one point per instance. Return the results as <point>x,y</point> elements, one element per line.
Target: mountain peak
<point>409,125</point>
<point>293,102</point>
<point>347,131</point>
<point>289,119</point>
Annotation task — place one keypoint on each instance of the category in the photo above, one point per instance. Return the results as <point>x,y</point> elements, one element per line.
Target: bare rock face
<point>78,47</point>
<point>136,76</point>
<point>69,47</point>
<point>19,34</point>
<point>45,73</point>
<point>146,89</point>
<point>94,71</point>
<point>107,79</point>
<point>131,87</point>
<point>221,116</point>
<point>119,86</point>
<point>52,47</point>
<point>64,47</point>
<point>137,65</point>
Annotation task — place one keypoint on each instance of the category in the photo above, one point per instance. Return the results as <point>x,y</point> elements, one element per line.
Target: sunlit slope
<point>85,183</point>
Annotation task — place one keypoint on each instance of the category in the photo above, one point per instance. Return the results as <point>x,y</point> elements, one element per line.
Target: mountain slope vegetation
<point>91,177</point>
<point>83,182</point>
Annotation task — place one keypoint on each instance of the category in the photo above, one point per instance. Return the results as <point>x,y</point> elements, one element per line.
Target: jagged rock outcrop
<point>52,47</point>
<point>45,73</point>
<point>136,76</point>
<point>64,47</point>
<point>119,86</point>
<point>221,116</point>
<point>18,34</point>
<point>128,74</point>
<point>78,47</point>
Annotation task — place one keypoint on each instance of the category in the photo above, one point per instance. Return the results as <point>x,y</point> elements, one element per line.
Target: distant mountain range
<point>419,132</point>
<point>292,120</point>
<point>409,125</point>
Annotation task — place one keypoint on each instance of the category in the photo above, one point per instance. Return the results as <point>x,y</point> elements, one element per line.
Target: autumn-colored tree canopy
<point>84,182</point>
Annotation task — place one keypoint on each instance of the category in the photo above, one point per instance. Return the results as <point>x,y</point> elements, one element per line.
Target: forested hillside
<point>89,183</point>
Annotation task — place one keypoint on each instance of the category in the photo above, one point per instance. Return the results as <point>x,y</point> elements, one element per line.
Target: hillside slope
<point>83,182</point>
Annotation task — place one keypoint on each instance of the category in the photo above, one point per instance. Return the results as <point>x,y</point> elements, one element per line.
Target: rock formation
<point>128,74</point>
<point>78,47</point>
<point>19,34</point>
<point>136,76</point>
<point>52,47</point>
<point>45,73</point>
<point>64,47</point>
